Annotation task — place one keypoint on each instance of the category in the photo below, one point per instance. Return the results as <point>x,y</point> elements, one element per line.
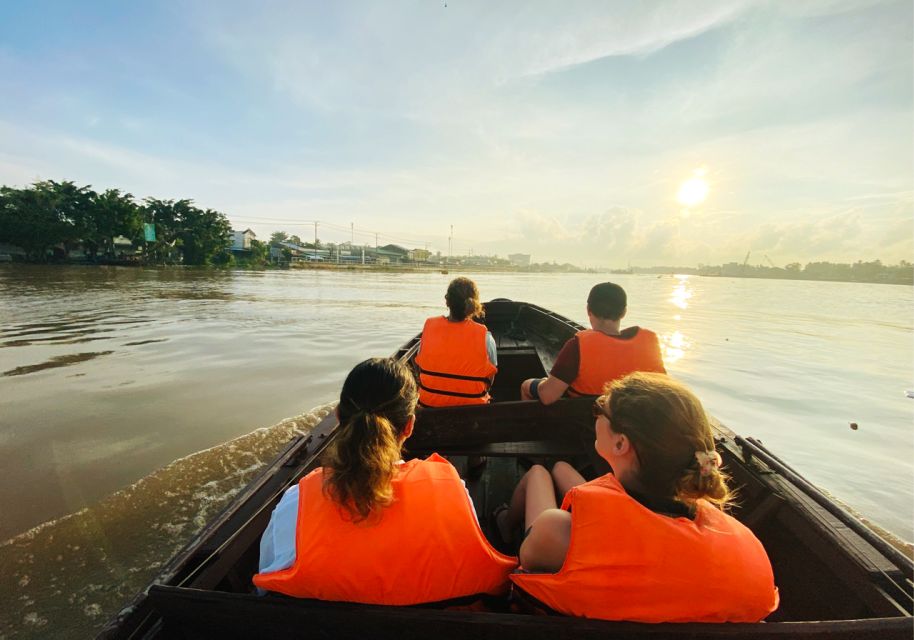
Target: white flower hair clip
<point>707,461</point>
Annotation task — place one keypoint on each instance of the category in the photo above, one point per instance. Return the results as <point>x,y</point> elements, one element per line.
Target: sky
<point>560,129</point>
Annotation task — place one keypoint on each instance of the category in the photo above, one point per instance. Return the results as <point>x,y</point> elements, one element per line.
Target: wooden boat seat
<point>206,614</point>
<point>524,448</point>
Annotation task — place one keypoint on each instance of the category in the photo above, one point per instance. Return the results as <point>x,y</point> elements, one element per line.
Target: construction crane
<point>746,259</point>
<point>770,262</point>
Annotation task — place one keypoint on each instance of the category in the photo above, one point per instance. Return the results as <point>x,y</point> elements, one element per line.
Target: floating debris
<point>854,426</point>
<point>909,393</point>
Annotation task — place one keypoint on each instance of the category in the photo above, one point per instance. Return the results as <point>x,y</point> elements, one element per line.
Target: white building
<point>241,240</point>
<point>520,259</point>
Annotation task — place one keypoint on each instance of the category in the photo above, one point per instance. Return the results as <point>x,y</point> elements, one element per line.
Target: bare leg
<point>534,494</point>
<point>565,477</point>
<point>525,389</point>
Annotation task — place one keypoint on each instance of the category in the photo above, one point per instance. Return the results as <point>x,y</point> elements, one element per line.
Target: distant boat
<point>837,577</point>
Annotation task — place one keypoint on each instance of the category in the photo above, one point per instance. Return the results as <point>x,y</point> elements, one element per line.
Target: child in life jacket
<point>457,358</point>
<point>368,527</point>
<point>648,542</point>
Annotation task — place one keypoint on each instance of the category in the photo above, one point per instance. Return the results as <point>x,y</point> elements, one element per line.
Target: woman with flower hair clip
<point>650,541</point>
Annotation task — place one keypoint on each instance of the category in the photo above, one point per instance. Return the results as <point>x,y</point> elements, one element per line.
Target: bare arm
<point>552,388</point>
<point>549,389</point>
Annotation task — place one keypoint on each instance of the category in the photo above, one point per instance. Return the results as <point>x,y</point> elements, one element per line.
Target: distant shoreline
<point>329,266</point>
<point>908,284</point>
<point>462,268</point>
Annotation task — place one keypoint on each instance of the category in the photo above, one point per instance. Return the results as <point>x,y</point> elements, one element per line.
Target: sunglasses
<point>598,410</point>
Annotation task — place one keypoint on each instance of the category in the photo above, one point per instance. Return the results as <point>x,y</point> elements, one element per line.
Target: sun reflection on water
<point>674,345</point>
<point>681,293</point>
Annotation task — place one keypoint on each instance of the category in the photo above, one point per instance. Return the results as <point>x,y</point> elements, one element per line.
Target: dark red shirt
<point>568,361</point>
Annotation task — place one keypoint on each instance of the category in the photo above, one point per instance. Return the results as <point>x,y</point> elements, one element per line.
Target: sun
<point>693,191</point>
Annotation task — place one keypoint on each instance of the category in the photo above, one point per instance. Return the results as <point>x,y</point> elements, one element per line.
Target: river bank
<point>905,276</point>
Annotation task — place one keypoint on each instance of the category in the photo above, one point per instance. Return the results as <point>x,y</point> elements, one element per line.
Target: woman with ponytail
<point>650,541</point>
<point>367,526</point>
<point>457,358</point>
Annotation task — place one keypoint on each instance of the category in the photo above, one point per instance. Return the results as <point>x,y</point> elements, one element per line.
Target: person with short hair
<point>598,355</point>
<point>457,359</point>
<point>368,527</point>
<point>649,542</point>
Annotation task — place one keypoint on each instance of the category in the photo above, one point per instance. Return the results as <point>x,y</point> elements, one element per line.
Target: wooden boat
<point>837,578</point>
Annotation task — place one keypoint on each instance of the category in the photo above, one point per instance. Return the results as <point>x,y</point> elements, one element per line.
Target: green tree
<point>203,234</point>
<point>260,252</point>
<point>74,205</point>
<point>116,214</point>
<point>867,271</point>
<point>34,219</point>
<point>163,216</point>
<point>279,236</point>
<point>257,257</point>
<point>166,216</point>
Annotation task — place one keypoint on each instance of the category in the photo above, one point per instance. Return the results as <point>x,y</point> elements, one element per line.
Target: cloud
<point>530,127</point>
<point>403,62</point>
<point>845,236</point>
<point>612,237</point>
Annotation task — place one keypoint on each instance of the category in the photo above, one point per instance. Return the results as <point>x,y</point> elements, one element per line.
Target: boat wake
<point>66,577</point>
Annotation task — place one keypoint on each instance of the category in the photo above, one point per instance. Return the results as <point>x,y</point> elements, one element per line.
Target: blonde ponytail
<point>360,465</point>
<point>377,403</point>
<point>710,485</point>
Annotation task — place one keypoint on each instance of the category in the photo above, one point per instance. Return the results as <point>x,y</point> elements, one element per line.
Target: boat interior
<point>826,571</point>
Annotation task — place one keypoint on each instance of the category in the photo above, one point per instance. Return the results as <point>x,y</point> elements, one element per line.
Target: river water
<point>134,403</point>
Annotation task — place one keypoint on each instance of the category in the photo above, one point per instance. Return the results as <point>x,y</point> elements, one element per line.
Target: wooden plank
<point>846,568</point>
<point>526,448</point>
<point>766,509</point>
<point>820,570</point>
<point>547,352</point>
<point>476,425</point>
<point>191,613</point>
<point>505,342</point>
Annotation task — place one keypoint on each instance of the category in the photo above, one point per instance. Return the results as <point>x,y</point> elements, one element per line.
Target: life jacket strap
<point>481,394</point>
<point>454,376</point>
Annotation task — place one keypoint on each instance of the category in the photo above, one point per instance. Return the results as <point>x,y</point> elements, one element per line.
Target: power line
<point>352,230</point>
<point>325,223</point>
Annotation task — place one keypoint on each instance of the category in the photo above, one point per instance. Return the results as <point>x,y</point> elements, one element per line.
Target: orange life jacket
<point>626,562</point>
<point>604,358</point>
<point>427,545</point>
<point>453,363</point>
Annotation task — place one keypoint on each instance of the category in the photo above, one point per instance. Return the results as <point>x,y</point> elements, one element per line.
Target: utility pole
<point>450,240</point>
<point>352,228</point>
<point>315,235</point>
